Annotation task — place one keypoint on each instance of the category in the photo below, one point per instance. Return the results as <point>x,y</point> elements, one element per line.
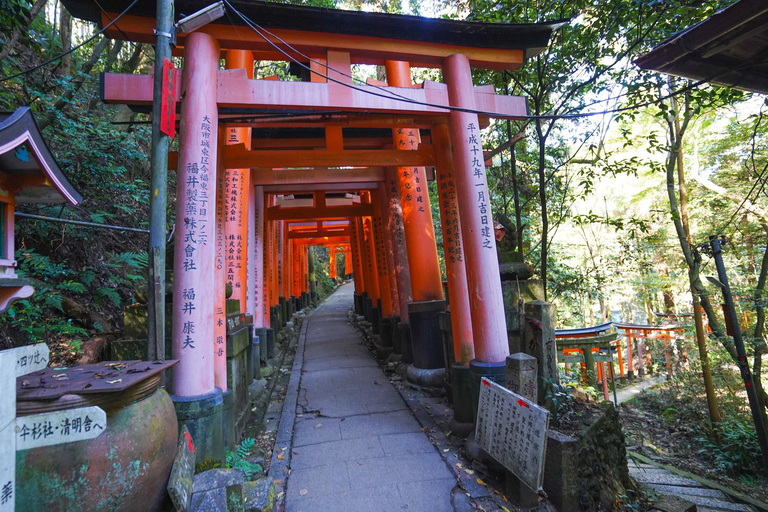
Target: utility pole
<point>158,199</point>
<point>716,243</point>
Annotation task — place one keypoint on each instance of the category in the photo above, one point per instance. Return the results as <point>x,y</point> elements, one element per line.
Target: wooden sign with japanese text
<point>31,358</point>
<point>513,431</point>
<point>168,105</point>
<point>59,427</point>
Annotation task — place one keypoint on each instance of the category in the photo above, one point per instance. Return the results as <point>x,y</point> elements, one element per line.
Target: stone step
<point>715,504</point>
<point>689,491</point>
<point>661,476</point>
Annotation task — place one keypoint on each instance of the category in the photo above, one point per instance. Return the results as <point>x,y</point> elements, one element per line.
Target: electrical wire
<point>391,95</point>
<point>54,59</point>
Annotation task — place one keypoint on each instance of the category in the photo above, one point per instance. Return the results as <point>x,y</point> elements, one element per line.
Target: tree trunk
<point>543,204</point>
<point>11,42</point>
<point>65,32</point>
<point>682,226</point>
<point>77,83</point>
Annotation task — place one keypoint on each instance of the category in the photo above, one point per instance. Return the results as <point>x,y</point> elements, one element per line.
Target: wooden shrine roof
<point>729,49</point>
<point>26,159</point>
<point>533,37</point>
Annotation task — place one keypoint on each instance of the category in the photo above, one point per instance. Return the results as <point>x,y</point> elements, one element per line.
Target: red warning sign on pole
<point>168,106</point>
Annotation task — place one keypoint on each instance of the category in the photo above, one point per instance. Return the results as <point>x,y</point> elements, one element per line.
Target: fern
<point>238,459</point>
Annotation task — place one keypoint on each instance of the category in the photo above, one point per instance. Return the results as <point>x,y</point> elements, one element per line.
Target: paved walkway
<point>356,445</point>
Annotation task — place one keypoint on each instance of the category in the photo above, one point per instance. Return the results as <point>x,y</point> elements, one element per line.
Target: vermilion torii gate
<point>267,168</point>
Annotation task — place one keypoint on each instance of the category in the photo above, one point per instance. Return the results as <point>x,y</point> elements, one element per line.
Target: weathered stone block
<point>588,469</point>
<point>214,500</point>
<point>180,483</point>
<point>540,343</point>
<point>521,375</point>
<point>673,504</point>
<point>214,478</point>
<point>260,495</point>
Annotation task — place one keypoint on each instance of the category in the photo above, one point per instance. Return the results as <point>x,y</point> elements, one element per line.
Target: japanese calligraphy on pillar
<point>197,177</point>
<point>480,182</point>
<point>513,430</point>
<point>381,249</point>
<point>413,180</point>
<point>397,213</point>
<point>235,216</point>
<point>450,212</point>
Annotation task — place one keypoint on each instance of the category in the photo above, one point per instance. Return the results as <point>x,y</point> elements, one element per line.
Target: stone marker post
<point>540,343</point>
<point>521,377</point>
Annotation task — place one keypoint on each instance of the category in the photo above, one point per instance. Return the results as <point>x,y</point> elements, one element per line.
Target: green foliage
<point>41,318</point>
<point>733,445</point>
<point>239,459</point>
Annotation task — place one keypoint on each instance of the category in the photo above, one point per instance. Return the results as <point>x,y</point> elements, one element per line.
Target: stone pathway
<point>630,392</point>
<point>666,482</point>
<point>356,444</point>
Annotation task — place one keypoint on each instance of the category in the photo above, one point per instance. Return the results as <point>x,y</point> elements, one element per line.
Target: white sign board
<point>8,388</point>
<point>59,427</point>
<point>31,358</point>
<point>513,431</point>
<point>7,468</point>
<point>38,430</point>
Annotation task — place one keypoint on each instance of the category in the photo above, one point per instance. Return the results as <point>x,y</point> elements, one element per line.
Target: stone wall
<point>586,469</point>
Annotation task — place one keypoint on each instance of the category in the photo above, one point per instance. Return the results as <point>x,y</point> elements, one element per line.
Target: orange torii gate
<point>321,140</point>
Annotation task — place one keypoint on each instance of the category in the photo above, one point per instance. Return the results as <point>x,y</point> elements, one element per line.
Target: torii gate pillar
<point>197,400</point>
<point>428,368</point>
<point>489,327</point>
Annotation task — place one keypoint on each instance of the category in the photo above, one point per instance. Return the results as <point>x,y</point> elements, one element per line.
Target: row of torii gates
<point>267,168</point>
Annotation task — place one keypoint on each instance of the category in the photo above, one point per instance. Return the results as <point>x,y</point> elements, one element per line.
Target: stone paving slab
<point>375,499</point>
<point>433,495</point>
<point>356,443</point>
<point>316,430</point>
<point>323,454</point>
<point>378,424</point>
<point>411,443</point>
<point>396,470</point>
<point>661,476</point>
<point>338,362</point>
<point>689,491</point>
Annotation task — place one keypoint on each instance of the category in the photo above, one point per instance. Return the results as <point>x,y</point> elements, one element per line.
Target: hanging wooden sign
<point>168,105</point>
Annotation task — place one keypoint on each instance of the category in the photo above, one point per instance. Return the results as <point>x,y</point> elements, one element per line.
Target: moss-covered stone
<point>260,495</point>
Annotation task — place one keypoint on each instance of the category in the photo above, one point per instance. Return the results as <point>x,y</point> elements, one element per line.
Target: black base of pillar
<point>358,304</point>
<point>261,333</point>
<point>304,300</point>
<point>367,305</point>
<point>228,420</point>
<point>385,331</point>
<point>426,337</point>
<point>397,342</point>
<point>497,372</point>
<point>284,308</point>
<point>254,357</point>
<point>270,343</point>
<point>375,320</point>
<point>405,338</point>
<point>461,392</point>
<point>203,417</point>
<point>428,378</point>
